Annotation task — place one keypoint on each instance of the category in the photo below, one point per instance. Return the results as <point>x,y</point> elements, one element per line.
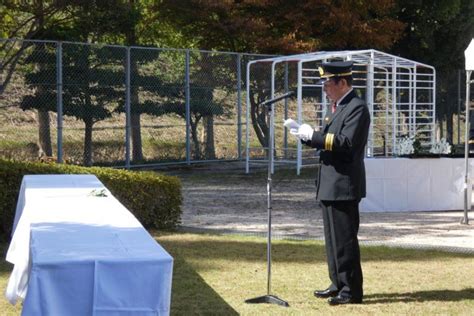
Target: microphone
<point>283,96</point>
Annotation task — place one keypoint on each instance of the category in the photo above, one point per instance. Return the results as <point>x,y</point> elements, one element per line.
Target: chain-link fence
<point>124,106</point>
<point>94,104</point>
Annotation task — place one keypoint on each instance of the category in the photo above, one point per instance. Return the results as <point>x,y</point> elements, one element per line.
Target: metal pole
<point>188,110</point>
<point>285,132</point>
<point>394,102</point>
<point>247,119</point>
<point>271,127</point>
<point>387,112</point>
<point>411,124</point>
<point>459,106</point>
<point>269,298</point>
<point>239,107</point>
<point>299,102</point>
<point>127,109</point>
<point>59,98</point>
<point>269,198</point>
<point>467,182</point>
<point>370,102</point>
<point>433,131</point>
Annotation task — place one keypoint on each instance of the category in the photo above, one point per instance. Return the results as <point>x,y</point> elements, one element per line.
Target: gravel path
<point>235,202</point>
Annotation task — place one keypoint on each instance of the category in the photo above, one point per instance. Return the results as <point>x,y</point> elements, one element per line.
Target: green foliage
<point>417,146</point>
<point>437,33</point>
<point>154,199</point>
<point>283,27</point>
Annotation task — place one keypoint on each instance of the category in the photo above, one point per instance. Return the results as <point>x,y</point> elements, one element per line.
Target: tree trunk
<point>136,134</point>
<point>88,123</point>
<point>136,131</point>
<point>88,142</point>
<point>44,133</point>
<point>210,150</point>
<point>259,124</point>
<point>195,139</point>
<point>449,125</point>
<point>44,130</point>
<point>441,128</point>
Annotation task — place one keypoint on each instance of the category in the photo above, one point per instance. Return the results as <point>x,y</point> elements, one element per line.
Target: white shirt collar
<point>342,98</point>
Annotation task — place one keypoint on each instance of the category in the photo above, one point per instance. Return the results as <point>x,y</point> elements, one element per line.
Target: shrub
<point>154,199</point>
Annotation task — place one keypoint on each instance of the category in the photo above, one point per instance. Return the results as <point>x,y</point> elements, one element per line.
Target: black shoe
<point>341,299</point>
<point>326,293</point>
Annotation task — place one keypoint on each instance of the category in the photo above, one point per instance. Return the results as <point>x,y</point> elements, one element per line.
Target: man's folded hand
<point>291,124</point>
<point>304,132</point>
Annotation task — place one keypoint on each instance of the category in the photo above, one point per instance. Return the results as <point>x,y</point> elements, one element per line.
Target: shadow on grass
<point>251,251</point>
<point>191,295</point>
<point>421,296</point>
<point>222,247</point>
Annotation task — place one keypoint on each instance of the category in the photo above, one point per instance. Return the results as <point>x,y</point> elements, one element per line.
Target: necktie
<point>333,107</point>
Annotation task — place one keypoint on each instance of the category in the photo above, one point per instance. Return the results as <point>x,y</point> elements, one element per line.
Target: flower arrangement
<point>441,147</point>
<point>404,146</point>
<point>411,146</point>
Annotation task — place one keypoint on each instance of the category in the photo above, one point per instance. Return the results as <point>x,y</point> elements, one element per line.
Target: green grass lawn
<point>214,275</point>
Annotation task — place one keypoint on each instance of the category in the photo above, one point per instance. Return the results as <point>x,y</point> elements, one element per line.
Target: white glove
<point>292,125</point>
<point>304,132</point>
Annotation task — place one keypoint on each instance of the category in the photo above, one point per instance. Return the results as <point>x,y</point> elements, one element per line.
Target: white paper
<point>291,124</point>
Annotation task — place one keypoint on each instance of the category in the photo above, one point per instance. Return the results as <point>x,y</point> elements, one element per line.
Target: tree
<point>170,97</point>
<point>94,79</point>
<point>142,27</point>
<point>89,92</point>
<point>283,27</point>
<point>38,19</point>
<point>40,63</point>
<point>437,33</point>
<point>201,106</point>
<point>53,20</point>
<point>29,21</point>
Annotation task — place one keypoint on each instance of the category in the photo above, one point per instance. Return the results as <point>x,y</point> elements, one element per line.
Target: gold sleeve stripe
<point>328,141</point>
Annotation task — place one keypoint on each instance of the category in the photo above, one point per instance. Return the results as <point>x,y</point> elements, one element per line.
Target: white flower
<point>404,146</point>
<point>441,147</point>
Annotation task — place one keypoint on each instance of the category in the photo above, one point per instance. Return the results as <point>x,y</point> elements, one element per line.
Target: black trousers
<point>341,225</point>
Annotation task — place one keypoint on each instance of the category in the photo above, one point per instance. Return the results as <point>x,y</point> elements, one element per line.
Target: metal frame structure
<point>191,72</point>
<point>467,179</point>
<point>469,62</point>
<point>399,92</point>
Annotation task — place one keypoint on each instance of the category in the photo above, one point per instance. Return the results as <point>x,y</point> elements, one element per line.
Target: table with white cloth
<point>423,184</point>
<point>77,250</point>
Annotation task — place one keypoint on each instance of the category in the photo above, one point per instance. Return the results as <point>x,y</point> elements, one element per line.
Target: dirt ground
<point>230,201</point>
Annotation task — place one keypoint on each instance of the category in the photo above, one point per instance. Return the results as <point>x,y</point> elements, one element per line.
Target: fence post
<point>59,99</point>
<point>285,130</point>
<point>188,109</point>
<point>127,108</point>
<point>459,106</point>
<point>239,107</point>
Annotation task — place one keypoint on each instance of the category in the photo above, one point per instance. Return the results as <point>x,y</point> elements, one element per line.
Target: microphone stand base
<point>269,299</point>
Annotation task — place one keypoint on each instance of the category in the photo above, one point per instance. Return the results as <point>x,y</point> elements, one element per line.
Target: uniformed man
<point>341,180</point>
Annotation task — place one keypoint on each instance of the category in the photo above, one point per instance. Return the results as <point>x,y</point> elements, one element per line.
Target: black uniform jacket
<point>342,141</point>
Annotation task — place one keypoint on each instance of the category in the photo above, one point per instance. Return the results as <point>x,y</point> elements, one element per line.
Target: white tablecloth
<point>403,184</point>
<point>76,253</point>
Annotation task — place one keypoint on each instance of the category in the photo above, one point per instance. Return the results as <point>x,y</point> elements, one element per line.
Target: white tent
<point>469,56</point>
<point>400,94</point>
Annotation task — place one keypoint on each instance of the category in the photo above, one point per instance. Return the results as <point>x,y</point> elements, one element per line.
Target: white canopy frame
<point>399,92</point>
<point>469,56</point>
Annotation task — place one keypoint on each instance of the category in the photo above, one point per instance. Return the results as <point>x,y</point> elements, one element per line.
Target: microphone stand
<point>268,298</point>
